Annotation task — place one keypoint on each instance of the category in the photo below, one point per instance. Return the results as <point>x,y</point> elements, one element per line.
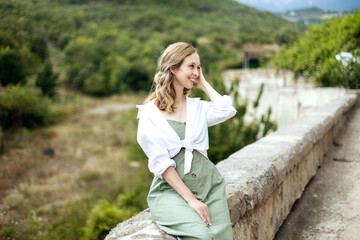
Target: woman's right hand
<point>201,209</point>
<point>172,177</point>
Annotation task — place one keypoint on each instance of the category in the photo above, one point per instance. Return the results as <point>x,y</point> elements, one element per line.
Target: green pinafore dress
<point>171,212</point>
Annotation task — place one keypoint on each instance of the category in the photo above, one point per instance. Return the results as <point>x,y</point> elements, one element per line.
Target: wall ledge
<point>264,178</point>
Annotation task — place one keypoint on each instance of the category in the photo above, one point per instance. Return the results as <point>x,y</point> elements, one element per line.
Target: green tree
<point>47,81</point>
<point>11,67</point>
<point>287,35</point>
<point>313,55</point>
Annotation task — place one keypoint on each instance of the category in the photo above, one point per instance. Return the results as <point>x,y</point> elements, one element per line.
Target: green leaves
<point>102,218</point>
<point>314,54</point>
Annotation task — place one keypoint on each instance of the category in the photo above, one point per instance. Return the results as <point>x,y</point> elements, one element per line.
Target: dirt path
<point>113,107</point>
<point>330,206</point>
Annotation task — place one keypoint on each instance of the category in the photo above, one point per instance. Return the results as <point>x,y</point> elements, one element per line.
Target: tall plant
<point>234,134</point>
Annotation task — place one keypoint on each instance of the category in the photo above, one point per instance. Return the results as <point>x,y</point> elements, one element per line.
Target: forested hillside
<point>105,47</point>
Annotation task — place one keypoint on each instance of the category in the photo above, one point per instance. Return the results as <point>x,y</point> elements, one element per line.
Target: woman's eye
<point>191,66</point>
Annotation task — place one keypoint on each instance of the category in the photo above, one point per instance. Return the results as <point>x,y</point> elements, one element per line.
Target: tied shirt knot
<point>188,155</point>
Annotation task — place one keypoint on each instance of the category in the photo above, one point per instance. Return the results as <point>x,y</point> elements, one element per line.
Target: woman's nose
<point>196,72</point>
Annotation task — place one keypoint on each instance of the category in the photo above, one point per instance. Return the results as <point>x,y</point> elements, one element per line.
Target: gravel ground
<point>329,208</point>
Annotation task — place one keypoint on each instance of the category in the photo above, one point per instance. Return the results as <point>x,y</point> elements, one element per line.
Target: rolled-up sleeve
<point>154,148</point>
<point>220,111</point>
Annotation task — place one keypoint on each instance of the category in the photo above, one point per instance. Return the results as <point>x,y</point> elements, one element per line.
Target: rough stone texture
<point>329,208</point>
<point>265,178</point>
<point>139,227</point>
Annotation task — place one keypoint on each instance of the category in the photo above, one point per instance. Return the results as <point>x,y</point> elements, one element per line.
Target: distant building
<point>330,15</point>
<point>253,53</point>
<point>309,15</point>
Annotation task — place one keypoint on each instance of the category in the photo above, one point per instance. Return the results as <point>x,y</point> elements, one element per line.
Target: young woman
<point>187,196</point>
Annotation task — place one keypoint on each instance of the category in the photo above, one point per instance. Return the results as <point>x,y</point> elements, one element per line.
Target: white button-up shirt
<point>161,143</point>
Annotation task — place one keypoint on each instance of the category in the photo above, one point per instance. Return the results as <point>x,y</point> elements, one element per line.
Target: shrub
<point>70,220</point>
<point>102,218</point>
<point>338,74</point>
<point>33,227</point>
<point>8,233</point>
<point>105,216</point>
<point>135,200</point>
<point>21,106</point>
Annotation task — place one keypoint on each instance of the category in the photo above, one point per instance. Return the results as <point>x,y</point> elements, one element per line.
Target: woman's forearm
<point>211,92</point>
<point>173,179</point>
<point>208,89</point>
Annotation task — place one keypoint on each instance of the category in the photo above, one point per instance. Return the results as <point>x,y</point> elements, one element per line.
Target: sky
<point>285,5</point>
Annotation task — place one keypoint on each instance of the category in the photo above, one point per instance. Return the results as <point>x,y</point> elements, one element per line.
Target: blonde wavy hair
<point>163,91</point>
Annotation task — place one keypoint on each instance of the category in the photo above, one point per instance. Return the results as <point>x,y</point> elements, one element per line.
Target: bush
<point>33,227</point>
<point>70,220</point>
<point>135,200</point>
<point>8,233</point>
<point>103,217</point>
<point>21,106</point>
<point>337,74</point>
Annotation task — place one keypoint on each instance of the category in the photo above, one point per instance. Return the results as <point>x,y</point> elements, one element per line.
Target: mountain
<point>309,15</point>
<point>281,6</point>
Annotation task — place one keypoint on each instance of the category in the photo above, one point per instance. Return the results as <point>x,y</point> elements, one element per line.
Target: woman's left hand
<point>201,81</point>
<point>207,88</point>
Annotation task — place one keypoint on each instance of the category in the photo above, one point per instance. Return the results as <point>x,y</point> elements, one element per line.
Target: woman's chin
<point>187,89</point>
<point>191,85</point>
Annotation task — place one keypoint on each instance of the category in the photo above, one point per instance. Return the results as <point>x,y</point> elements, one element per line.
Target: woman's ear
<point>173,70</point>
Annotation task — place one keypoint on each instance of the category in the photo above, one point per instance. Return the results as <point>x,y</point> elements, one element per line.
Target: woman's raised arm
<point>207,88</point>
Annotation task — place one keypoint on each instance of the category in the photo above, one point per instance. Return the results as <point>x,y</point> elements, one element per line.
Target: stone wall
<point>265,178</point>
<point>272,77</point>
<point>281,91</point>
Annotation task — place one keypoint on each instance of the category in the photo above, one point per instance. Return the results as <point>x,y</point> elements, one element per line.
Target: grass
<point>54,174</point>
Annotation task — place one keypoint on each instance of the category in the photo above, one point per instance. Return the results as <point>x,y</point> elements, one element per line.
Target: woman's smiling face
<point>188,73</point>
